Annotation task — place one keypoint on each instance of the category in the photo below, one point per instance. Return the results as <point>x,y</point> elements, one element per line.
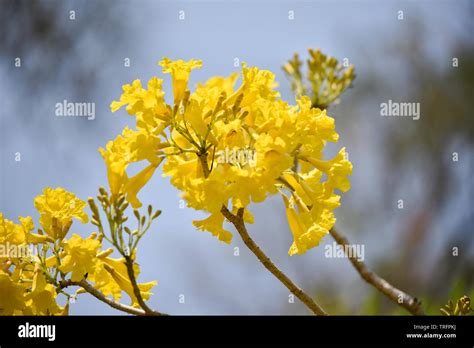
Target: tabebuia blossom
<point>219,116</point>
<point>31,281</point>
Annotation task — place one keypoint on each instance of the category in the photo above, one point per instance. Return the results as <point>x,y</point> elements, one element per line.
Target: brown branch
<point>398,296</point>
<point>101,297</point>
<point>204,163</point>
<point>238,222</point>
<point>411,304</point>
<point>136,289</point>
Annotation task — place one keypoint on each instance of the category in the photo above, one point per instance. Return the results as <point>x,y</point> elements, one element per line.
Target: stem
<point>411,304</point>
<point>136,289</point>
<point>204,163</point>
<point>98,295</point>
<point>401,298</point>
<point>238,222</point>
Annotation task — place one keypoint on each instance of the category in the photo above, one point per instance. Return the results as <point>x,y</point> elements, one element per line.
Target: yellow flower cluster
<point>57,208</point>
<point>23,289</point>
<point>32,265</point>
<point>285,142</point>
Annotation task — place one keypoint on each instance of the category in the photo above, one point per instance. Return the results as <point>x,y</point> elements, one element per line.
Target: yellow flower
<point>216,85</point>
<point>136,183</point>
<point>80,257</point>
<point>313,122</point>
<point>117,156</point>
<point>118,273</point>
<point>132,95</point>
<point>180,71</point>
<point>10,232</point>
<point>337,170</point>
<point>57,208</point>
<point>148,105</point>
<point>41,300</point>
<point>131,146</point>
<point>34,238</point>
<point>11,295</point>
<point>306,233</point>
<point>226,146</point>
<point>105,283</point>
<point>18,236</point>
<point>214,224</point>
<point>257,84</point>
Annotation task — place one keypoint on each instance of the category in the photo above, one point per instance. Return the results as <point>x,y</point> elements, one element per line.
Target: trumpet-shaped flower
<point>180,71</point>
<point>57,208</point>
<point>118,279</point>
<point>11,295</point>
<point>80,257</point>
<point>41,300</point>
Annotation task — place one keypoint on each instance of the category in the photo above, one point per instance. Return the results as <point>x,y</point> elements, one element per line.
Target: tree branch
<point>398,296</point>
<point>411,304</point>
<point>238,222</point>
<point>136,289</point>
<point>100,296</point>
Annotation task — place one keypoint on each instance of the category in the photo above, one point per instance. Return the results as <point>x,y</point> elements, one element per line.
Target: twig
<point>411,304</point>
<point>100,296</point>
<point>136,289</point>
<point>401,298</point>
<point>238,222</point>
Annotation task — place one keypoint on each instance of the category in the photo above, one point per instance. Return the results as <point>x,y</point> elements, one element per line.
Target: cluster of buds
<point>461,307</point>
<point>325,81</point>
<point>114,210</point>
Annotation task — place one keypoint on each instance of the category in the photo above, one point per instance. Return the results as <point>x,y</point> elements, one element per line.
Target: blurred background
<point>394,158</point>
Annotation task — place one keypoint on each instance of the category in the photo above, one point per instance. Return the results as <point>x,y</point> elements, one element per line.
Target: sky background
<point>82,60</point>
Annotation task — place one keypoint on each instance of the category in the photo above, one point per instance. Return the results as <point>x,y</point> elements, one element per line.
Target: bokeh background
<point>409,60</point>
